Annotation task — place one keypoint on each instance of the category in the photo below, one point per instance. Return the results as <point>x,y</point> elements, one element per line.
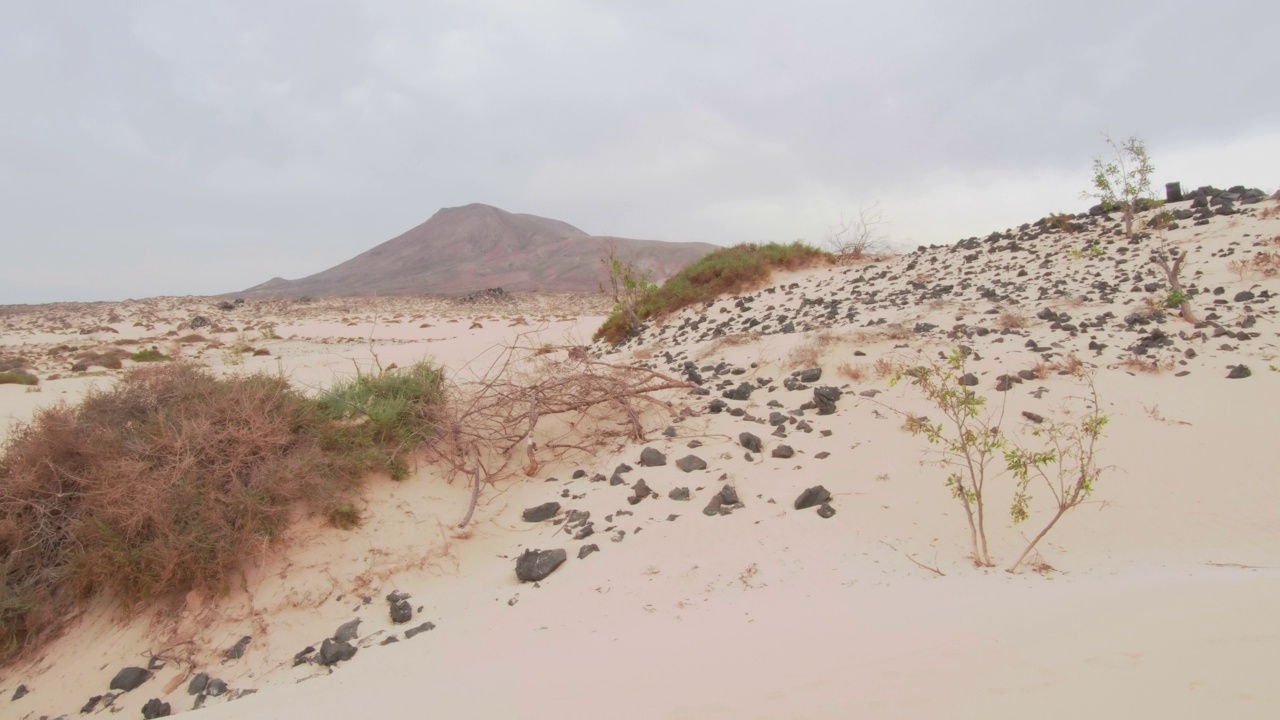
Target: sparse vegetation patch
<point>168,480</point>
<point>723,272</point>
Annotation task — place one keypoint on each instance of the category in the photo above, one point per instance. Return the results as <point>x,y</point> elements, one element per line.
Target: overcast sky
<point>194,147</point>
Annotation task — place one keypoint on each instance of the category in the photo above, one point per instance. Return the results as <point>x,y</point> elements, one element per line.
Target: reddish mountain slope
<point>478,246</point>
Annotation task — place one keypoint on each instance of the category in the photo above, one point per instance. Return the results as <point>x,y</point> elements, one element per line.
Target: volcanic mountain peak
<point>475,246</point>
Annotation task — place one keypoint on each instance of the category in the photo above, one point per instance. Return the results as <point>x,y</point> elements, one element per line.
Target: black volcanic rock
<point>535,565</point>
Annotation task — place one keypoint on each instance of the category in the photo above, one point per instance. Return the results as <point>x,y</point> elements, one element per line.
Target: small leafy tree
<point>629,285</point>
<point>1171,261</point>
<point>970,441</point>
<point>1124,182</point>
<point>972,446</point>
<point>1068,467</point>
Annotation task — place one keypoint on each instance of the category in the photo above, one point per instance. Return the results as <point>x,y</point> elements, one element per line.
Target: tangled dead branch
<point>550,402</point>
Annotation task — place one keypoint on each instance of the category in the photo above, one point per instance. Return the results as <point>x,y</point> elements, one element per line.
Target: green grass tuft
<point>149,355</point>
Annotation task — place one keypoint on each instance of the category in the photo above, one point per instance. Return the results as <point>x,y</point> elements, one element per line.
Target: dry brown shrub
<point>164,483</point>
<point>885,367</point>
<point>1041,370</point>
<point>1142,364</point>
<point>724,341</point>
<point>807,354</point>
<point>1071,365</point>
<point>1010,320</point>
<point>854,372</point>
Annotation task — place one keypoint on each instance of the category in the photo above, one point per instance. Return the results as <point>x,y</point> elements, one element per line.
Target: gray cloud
<point>199,147</point>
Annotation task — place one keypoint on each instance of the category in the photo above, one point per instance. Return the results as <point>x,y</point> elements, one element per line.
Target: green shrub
<point>722,272</point>
<point>397,408</point>
<point>149,355</point>
<point>1174,299</point>
<point>18,377</point>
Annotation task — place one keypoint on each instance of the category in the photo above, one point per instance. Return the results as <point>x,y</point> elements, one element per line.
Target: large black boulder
<point>689,463</point>
<point>335,651</point>
<point>129,678</point>
<point>535,565</point>
<point>825,398</point>
<point>816,495</point>
<point>652,457</point>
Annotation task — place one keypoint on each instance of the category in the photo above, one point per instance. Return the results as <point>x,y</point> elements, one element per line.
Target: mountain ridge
<point>477,246</point>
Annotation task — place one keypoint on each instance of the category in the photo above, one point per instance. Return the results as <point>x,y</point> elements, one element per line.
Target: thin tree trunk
<point>1062,509</point>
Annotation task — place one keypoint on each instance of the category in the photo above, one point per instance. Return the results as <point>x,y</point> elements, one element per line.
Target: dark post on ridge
<point>1173,192</point>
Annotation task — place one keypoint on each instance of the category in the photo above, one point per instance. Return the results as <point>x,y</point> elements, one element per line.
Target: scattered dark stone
<point>535,565</point>
<point>401,612</point>
<point>198,683</point>
<point>198,322</point>
<point>155,663</point>
<point>129,678</point>
<point>822,455</point>
<point>723,502</point>
<point>1239,372</point>
<point>598,477</point>
<point>237,651</point>
<point>19,693</point>
<point>749,441</point>
<point>669,432</point>
<point>742,392</point>
<point>389,639</point>
<point>689,463</point>
<point>303,655</point>
<point>651,457</point>
<point>538,513</point>
<point>331,652</point>
<point>812,375</point>
<point>816,495</point>
<point>783,451</point>
<point>579,473</point>
<point>717,406</point>
<point>680,493</point>
<point>1033,417</point>
<point>155,708</point>
<point>969,380</point>
<point>347,631</point>
<point>641,490</point>
<point>424,627</point>
<point>91,705</point>
<point>216,688</point>
<point>825,510</point>
<point>1243,296</point>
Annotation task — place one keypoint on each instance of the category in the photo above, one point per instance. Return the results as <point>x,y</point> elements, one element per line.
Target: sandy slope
<point>1155,598</point>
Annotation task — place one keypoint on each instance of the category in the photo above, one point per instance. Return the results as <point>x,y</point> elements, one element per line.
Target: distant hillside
<point>478,246</point>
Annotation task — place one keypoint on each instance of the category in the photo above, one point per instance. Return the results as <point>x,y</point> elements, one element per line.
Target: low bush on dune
<point>168,480</point>
<point>148,355</point>
<point>724,272</point>
<point>18,376</point>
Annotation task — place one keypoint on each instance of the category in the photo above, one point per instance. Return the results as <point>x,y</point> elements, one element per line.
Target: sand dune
<point>1152,599</point>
